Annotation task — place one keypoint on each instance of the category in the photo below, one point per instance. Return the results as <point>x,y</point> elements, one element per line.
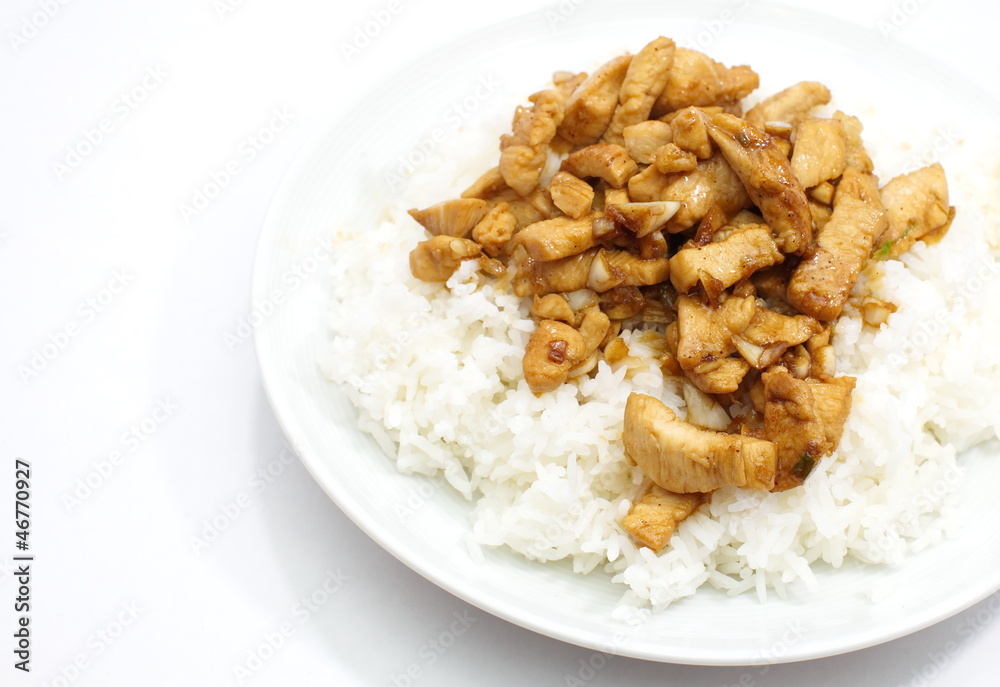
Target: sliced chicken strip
<point>717,266</point>
<point>768,178</point>
<point>602,160</point>
<point>789,105</point>
<point>644,82</point>
<point>681,458</point>
<point>451,217</point>
<point>820,151</point>
<point>591,106</point>
<point>823,281</point>
<point>916,204</point>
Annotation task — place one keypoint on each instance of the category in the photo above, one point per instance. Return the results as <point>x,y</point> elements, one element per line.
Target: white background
<point>143,387</point>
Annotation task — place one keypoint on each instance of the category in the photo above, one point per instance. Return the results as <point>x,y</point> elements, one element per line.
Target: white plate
<point>339,181</point>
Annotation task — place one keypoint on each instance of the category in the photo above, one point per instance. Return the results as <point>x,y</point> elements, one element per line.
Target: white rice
<point>436,375</point>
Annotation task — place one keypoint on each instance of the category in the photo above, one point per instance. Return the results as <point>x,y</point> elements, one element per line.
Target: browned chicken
<point>770,334</point>
<point>591,106</point>
<point>789,105</point>
<point>652,520</point>
<point>487,186</point>
<point>916,205</point>
<point>669,159</point>
<point>559,276</point>
<point>696,79</point>
<point>553,307</point>
<point>712,183</point>
<point>613,268</point>
<point>571,195</point>
<point>820,151</point>
<point>833,405</point>
<point>854,148</point>
<point>452,217</point>
<point>642,139</point>
<point>554,239</point>
<point>644,81</point>
<point>642,219</point>
<point>690,127</point>
<point>768,178</point>
<point>495,229</point>
<point>717,266</point>
<point>604,161</point>
<point>681,458</point>
<point>792,422</point>
<point>823,281</point>
<point>437,258</point>
<point>552,351</point>
<point>705,342</point>
<point>524,152</point>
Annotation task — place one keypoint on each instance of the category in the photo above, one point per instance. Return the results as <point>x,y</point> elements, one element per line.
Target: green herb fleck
<point>883,252</point>
<point>804,466</point>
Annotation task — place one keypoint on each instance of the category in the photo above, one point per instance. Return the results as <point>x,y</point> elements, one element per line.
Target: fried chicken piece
<point>602,160</point>
<point>591,106</point>
<point>570,194</point>
<point>717,266</point>
<point>451,217</point>
<point>524,152</point>
<point>652,520</point>
<point>712,182</point>
<point>495,229</point>
<point>820,151</point>
<point>916,204</point>
<point>792,422</point>
<point>823,281</point>
<point>696,79</point>
<point>554,239</point>
<point>642,139</point>
<point>681,458</point>
<point>767,175</point>
<point>552,351</point>
<point>789,105</point>
<point>437,258</point>
<point>644,82</point>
